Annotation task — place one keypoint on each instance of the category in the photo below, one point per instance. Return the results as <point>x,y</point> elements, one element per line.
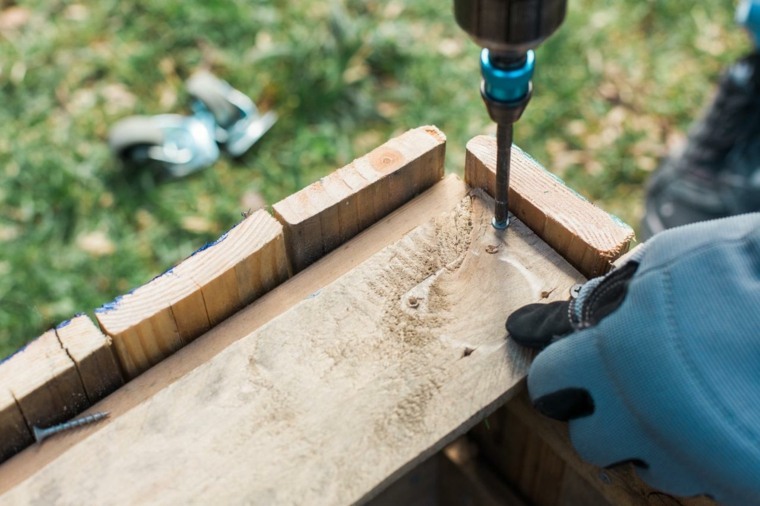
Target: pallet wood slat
<point>162,316</point>
<point>93,356</point>
<point>52,379</point>
<point>342,393</point>
<point>535,451</point>
<point>588,237</point>
<point>206,376</point>
<point>393,227</point>
<point>331,211</point>
<point>40,383</point>
<point>15,432</point>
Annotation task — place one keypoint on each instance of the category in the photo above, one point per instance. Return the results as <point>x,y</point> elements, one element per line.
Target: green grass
<point>613,89</point>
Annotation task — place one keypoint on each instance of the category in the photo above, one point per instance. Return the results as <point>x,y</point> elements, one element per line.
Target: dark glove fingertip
<point>566,404</point>
<point>520,328</point>
<point>536,325</point>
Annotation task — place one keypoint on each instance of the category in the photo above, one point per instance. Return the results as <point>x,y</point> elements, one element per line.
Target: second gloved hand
<point>658,362</point>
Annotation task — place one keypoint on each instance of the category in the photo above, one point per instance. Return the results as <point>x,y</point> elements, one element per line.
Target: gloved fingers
<point>613,436</point>
<point>561,376</point>
<point>537,325</point>
<point>569,381</point>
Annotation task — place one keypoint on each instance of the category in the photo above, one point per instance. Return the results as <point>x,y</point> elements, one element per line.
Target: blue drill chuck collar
<point>506,91</point>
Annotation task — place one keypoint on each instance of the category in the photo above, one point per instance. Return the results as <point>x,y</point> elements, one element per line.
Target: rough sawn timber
<point>334,209</point>
<point>339,395</point>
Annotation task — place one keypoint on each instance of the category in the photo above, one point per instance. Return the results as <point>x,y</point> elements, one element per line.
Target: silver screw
<point>40,434</point>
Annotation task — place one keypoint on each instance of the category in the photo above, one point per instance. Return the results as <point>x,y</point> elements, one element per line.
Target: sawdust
<point>411,410</point>
<point>425,255</point>
<point>419,266</point>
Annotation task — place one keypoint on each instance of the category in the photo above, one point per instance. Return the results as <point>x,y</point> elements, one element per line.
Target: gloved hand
<point>658,362</point>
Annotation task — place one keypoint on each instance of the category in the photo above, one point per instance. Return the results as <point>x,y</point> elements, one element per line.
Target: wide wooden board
<point>340,394</point>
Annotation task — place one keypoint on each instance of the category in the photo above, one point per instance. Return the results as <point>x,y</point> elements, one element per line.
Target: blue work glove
<point>658,362</point>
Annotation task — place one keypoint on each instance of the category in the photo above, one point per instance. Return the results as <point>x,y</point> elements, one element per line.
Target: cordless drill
<point>507,30</point>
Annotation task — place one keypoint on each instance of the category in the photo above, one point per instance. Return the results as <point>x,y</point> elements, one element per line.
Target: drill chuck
<point>506,84</point>
<point>509,26</point>
<point>506,88</point>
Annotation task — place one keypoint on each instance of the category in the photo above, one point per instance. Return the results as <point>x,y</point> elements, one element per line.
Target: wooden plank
<point>93,357</point>
<point>339,395</point>
<point>52,379</point>
<point>418,487</point>
<point>331,211</point>
<point>440,198</point>
<point>16,434</point>
<point>466,480</point>
<point>452,477</point>
<point>536,453</point>
<point>588,237</point>
<point>158,318</point>
<point>43,384</point>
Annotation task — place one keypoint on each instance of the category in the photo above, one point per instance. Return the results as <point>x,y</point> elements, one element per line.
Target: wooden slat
<point>588,237</point>
<point>93,356</point>
<point>466,480</point>
<point>42,382</point>
<point>387,231</point>
<point>155,320</point>
<point>536,453</point>
<point>418,487</point>
<point>331,211</point>
<point>452,477</point>
<point>16,434</point>
<point>52,379</point>
<point>339,395</point>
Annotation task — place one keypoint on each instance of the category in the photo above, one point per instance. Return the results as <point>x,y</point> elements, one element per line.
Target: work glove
<point>658,362</point>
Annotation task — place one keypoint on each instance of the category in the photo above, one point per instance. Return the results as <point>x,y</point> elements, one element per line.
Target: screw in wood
<point>40,434</point>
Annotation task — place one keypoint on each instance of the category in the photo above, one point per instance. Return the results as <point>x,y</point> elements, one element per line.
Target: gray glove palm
<point>661,365</point>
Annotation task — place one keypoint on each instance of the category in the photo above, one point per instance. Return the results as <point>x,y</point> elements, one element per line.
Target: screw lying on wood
<point>40,434</point>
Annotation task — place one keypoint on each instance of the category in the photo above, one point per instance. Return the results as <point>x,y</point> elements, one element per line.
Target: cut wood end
<point>434,131</point>
<point>359,174</point>
<point>239,242</point>
<point>81,337</point>
<point>144,302</point>
<point>38,366</point>
<point>605,234</point>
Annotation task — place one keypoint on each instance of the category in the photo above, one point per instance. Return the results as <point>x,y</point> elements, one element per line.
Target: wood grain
<point>340,394</point>
<point>440,198</point>
<point>535,452</point>
<point>160,317</point>
<point>334,209</point>
<point>588,237</point>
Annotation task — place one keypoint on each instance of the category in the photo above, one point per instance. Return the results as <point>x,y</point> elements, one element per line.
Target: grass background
<point>614,90</point>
